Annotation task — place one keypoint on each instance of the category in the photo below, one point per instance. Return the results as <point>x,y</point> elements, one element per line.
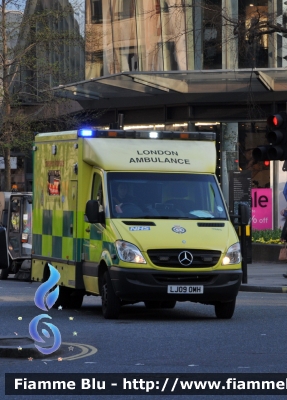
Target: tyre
<point>111,304</point>
<point>4,273</point>
<point>225,310</point>
<point>69,298</point>
<point>168,304</point>
<point>152,304</point>
<point>63,299</point>
<point>75,299</point>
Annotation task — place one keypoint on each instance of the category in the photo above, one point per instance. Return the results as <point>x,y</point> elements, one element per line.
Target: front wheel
<point>151,305</point>
<point>168,304</point>
<point>225,310</point>
<point>111,304</point>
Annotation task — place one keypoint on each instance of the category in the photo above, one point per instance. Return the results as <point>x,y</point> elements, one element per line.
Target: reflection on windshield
<point>159,195</point>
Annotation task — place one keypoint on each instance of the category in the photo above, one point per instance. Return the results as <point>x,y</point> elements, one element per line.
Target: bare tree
<point>41,45</point>
<point>245,25</point>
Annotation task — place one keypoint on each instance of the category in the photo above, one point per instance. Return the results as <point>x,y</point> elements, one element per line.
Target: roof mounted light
<point>85,133</point>
<point>159,135</point>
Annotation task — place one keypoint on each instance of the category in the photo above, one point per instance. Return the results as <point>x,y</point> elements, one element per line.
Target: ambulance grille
<point>211,224</point>
<point>169,258</point>
<point>185,279</point>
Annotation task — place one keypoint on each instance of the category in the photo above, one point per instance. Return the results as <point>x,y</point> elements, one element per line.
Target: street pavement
<point>261,277</point>
<point>266,277</point>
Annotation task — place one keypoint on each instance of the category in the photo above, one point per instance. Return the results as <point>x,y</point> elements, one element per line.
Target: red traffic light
<point>274,121</point>
<point>276,135</point>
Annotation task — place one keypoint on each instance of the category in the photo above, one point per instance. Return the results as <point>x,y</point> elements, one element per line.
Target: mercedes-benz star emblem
<point>185,258</point>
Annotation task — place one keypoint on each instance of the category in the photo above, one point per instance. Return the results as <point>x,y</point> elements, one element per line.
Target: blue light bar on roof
<point>118,133</point>
<point>85,133</point>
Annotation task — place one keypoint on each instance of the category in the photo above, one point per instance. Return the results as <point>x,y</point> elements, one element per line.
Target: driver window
<point>97,191</point>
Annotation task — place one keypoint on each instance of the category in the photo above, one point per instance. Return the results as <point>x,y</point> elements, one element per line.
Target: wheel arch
<point>46,272</point>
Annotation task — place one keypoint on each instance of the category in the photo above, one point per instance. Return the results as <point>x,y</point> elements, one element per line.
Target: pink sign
<point>261,208</point>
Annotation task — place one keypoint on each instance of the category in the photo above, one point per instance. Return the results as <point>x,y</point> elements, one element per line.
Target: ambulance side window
<point>97,191</point>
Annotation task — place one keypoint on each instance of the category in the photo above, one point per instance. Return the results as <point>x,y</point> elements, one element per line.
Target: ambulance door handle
<point>71,229</point>
<point>88,229</point>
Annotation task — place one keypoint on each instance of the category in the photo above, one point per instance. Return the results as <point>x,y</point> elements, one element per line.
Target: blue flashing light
<point>85,133</point>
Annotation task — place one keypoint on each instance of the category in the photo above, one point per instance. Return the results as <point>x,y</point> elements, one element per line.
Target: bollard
<point>243,214</point>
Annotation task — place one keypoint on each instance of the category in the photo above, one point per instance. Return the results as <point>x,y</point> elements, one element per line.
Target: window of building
<point>281,39</point>
<point>252,45</point>
<point>212,36</point>
<point>123,9</point>
<point>96,12</point>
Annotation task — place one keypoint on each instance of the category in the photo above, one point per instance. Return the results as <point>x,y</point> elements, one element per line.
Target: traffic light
<point>276,135</point>
<point>266,164</point>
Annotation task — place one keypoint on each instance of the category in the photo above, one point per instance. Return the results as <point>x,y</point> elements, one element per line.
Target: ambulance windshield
<point>164,195</point>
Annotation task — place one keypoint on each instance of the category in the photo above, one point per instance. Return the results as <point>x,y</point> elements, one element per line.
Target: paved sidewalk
<point>266,277</point>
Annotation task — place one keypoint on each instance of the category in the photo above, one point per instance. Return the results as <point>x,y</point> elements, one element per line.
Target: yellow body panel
<point>91,284</point>
<point>68,275</point>
<point>149,155</point>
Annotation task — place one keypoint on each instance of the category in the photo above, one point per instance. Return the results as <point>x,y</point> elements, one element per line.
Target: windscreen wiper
<point>211,218</point>
<point>156,217</point>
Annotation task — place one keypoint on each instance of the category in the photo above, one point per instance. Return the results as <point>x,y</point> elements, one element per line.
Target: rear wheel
<point>63,298</point>
<point>111,304</point>
<point>4,273</point>
<point>69,298</point>
<point>76,300</point>
<point>225,310</point>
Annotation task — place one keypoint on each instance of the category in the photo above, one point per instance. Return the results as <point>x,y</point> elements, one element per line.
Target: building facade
<point>12,21</point>
<point>185,64</point>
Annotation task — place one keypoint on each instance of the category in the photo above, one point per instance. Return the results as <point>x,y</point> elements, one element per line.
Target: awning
<point>146,85</point>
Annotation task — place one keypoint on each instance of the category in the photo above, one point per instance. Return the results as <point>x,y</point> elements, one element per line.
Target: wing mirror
<point>92,213</point>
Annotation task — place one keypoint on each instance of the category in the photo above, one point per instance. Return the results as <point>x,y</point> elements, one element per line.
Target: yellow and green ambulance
<point>133,216</point>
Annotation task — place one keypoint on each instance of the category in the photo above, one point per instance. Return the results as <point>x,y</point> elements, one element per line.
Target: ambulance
<point>133,216</point>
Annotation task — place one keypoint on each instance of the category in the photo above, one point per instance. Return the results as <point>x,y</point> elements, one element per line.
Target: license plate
<point>181,289</point>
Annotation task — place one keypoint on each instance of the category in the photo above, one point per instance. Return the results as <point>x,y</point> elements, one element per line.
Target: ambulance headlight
<point>129,252</point>
<point>233,255</point>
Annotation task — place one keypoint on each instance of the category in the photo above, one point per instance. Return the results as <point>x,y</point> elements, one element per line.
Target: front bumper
<point>148,285</point>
